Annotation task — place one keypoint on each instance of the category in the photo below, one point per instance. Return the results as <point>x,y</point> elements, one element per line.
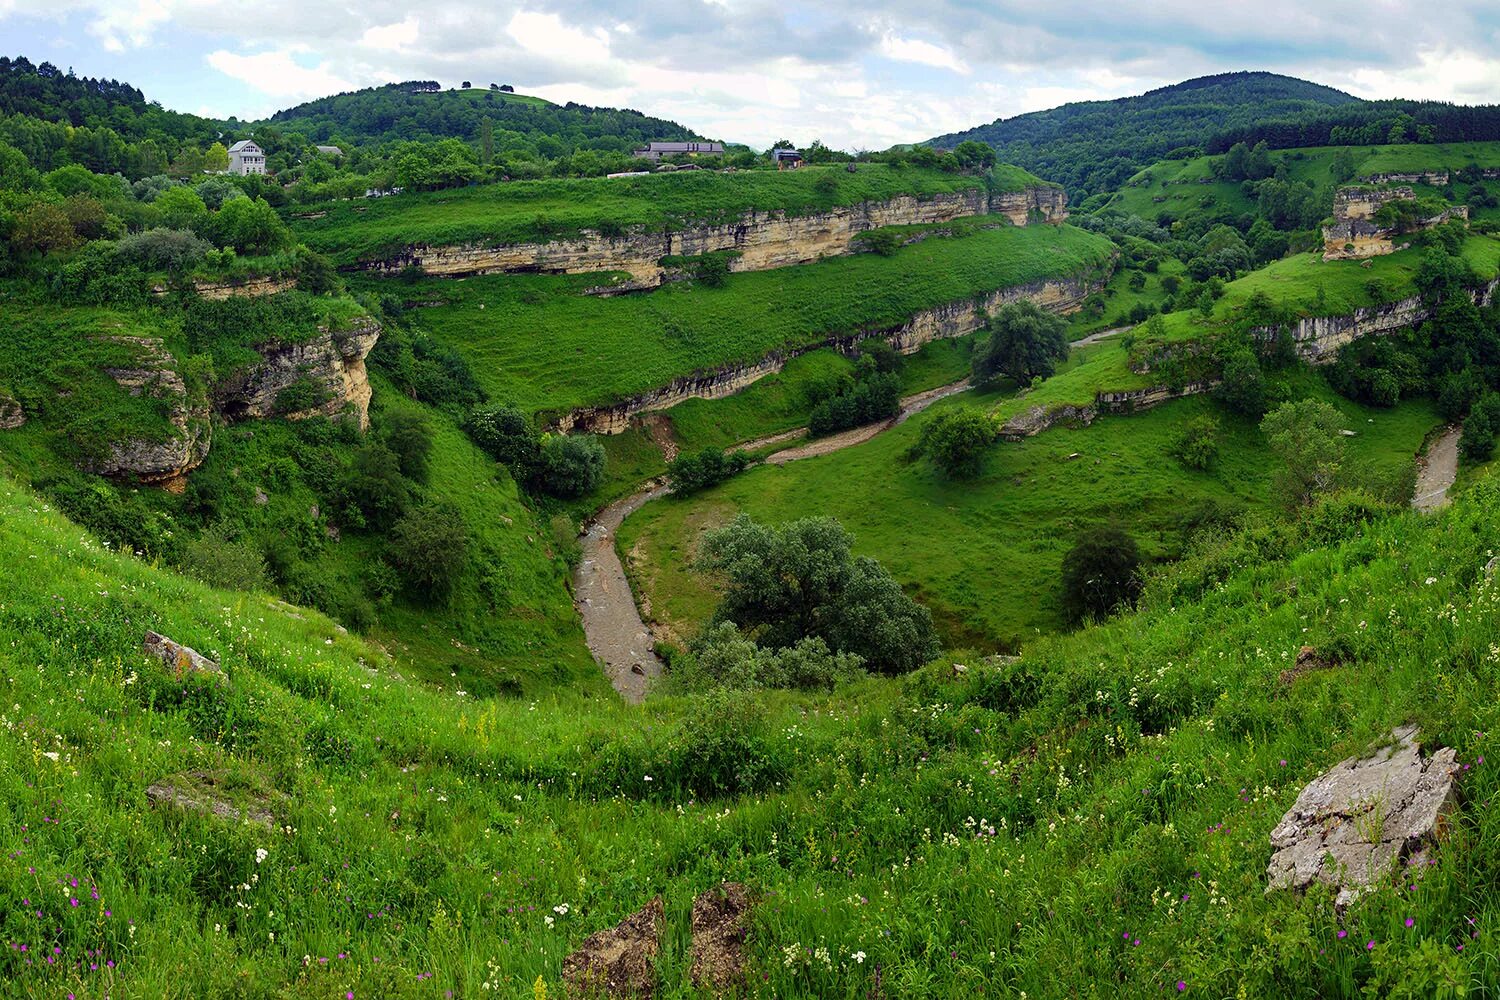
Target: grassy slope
<point>984,555</point>
<point>531,210</point>
<point>536,343</point>
<point>1185,187</point>
<point>1130,797</point>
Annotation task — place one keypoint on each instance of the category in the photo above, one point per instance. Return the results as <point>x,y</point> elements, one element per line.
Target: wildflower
<point>859,957</point>
<point>261,854</point>
<point>1343,934</point>
<point>1410,922</point>
<point>1370,945</point>
<point>1181,985</point>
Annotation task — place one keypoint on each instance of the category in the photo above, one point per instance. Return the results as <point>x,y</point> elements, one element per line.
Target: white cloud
<point>547,36</point>
<point>126,24</point>
<point>277,74</point>
<point>914,50</point>
<point>391,37</point>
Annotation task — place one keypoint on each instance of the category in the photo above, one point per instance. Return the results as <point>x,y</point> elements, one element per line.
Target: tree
<point>1198,445</point>
<point>486,141</point>
<point>956,439</point>
<point>250,227</point>
<point>571,464</point>
<point>1478,441</point>
<point>801,581</point>
<point>429,548</point>
<point>1342,167</point>
<point>1100,573</point>
<point>507,435</point>
<point>466,85</point>
<point>216,158</point>
<point>1242,387</point>
<point>407,435</point>
<point>375,488</point>
<point>706,468</point>
<point>181,208</point>
<point>1307,436</point>
<point>1025,342</point>
<point>43,228</point>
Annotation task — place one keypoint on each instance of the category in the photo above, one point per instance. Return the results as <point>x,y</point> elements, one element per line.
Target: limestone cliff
<point>11,414</point>
<point>264,285</point>
<point>953,319</point>
<point>1039,418</point>
<point>168,460</point>
<point>1354,234</point>
<point>761,240</point>
<point>333,361</point>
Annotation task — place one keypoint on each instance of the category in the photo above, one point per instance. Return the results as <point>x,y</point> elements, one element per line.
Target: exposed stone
<point>953,319</point>
<point>1352,825</point>
<point>1308,661</point>
<point>334,360</point>
<point>763,240</point>
<point>182,659</point>
<point>619,961</point>
<point>264,285</point>
<point>201,792</point>
<point>1354,234</point>
<point>165,462</point>
<point>11,414</point>
<point>1490,568</point>
<point>721,926</point>
<point>1036,419</point>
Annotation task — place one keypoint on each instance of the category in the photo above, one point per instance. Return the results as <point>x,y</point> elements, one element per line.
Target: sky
<point>858,75</point>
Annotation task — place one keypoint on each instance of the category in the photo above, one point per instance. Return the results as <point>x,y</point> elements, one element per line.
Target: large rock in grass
<point>180,659</point>
<point>1354,824</point>
<point>721,926</point>
<point>619,961</point>
<point>206,793</point>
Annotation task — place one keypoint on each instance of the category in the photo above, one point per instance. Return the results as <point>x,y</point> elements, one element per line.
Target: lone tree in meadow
<point>1025,342</point>
<point>801,580</point>
<point>1307,436</point>
<point>1100,573</point>
<point>956,440</point>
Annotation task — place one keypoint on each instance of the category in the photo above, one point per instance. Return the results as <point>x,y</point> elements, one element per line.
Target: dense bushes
<point>571,465</point>
<point>709,467</point>
<point>1100,573</point>
<point>560,465</point>
<point>722,656</point>
<point>955,440</point>
<point>429,548</point>
<point>801,581</point>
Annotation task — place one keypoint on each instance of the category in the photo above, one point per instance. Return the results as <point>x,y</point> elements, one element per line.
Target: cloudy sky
<point>855,74</point>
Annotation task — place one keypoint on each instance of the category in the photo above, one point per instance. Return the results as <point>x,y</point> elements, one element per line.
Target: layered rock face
<point>1040,418</point>
<point>164,462</point>
<point>763,240</point>
<point>11,414</point>
<point>1436,178</point>
<point>954,319</point>
<point>1355,235</point>
<point>334,361</point>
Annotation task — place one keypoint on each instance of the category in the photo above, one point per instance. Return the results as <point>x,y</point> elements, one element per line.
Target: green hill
<point>1093,146</point>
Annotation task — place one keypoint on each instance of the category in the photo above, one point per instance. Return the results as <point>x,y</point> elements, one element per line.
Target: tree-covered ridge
<point>414,111</point>
<point>1093,146</point>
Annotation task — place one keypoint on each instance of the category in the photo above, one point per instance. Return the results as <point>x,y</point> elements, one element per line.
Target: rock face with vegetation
<point>954,319</point>
<point>166,459</point>
<point>1351,826</point>
<point>760,240</point>
<point>328,370</point>
<point>1357,231</point>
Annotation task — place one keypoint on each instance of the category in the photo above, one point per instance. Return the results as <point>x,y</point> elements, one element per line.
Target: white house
<point>245,157</point>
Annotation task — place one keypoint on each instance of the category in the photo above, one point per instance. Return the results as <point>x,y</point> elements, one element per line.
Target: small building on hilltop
<point>245,157</point>
<point>332,151</point>
<point>654,151</point>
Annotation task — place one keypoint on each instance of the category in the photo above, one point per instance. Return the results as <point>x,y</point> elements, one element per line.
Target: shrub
<point>723,657</point>
<point>571,465</point>
<point>801,581</point>
<point>302,395</point>
<point>250,227</point>
<point>175,251</point>
<point>1242,386</point>
<point>884,242</point>
<point>181,208</point>
<point>221,561</point>
<point>429,548</point>
<point>506,434</point>
<point>1099,574</point>
<point>43,229</point>
<point>407,435</point>
<point>873,396</point>
<point>956,439</point>
<point>374,488</point>
<point>1478,441</point>
<point>1307,437</point>
<point>706,468</point>
<point>722,747</point>
<point>1198,445</point>
<point>1025,342</point>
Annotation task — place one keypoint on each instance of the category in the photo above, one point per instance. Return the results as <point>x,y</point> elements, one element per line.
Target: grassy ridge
<point>984,555</point>
<point>525,211</point>
<point>941,836</point>
<point>535,342</point>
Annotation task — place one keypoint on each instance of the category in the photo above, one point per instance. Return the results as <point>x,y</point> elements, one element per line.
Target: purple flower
<point>1343,934</point>
<point>1181,985</point>
<point>1410,922</point>
<point>1370,945</point>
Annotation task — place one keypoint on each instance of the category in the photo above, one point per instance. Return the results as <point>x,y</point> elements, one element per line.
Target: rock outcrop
<point>334,361</point>
<point>168,460</point>
<point>1036,419</point>
<point>181,660</point>
<point>199,792</point>
<point>1355,234</point>
<point>761,240</point>
<point>1352,825</point>
<point>1434,178</point>
<point>264,285</point>
<point>11,414</point>
<point>619,961</point>
<point>953,319</point>
<point>721,927</point>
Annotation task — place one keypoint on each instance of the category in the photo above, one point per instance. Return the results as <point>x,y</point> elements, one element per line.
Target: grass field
<point>944,835</point>
<point>984,555</point>
<point>524,211</point>
<point>536,343</point>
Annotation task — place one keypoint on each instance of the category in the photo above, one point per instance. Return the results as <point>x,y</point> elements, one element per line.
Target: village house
<point>332,151</point>
<point>786,159</point>
<point>654,151</point>
<point>245,157</point>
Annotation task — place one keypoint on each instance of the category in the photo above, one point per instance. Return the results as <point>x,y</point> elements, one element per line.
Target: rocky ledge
<point>168,460</point>
<point>1353,825</point>
<point>333,361</point>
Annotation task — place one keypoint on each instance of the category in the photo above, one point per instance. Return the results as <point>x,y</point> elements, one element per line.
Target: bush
<point>1478,441</point>
<point>801,581</point>
<point>1100,573</point>
<point>874,396</point>
<point>722,747</point>
<point>506,434</point>
<point>723,657</point>
<point>571,465</point>
<point>220,561</point>
<point>1025,342</point>
<point>302,395</point>
<point>1307,437</point>
<point>884,242</point>
<point>708,467</point>
<point>1198,445</point>
<point>429,548</point>
<point>1242,386</point>
<point>176,251</point>
<point>374,489</point>
<point>956,439</point>
<point>250,227</point>
<point>407,435</point>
